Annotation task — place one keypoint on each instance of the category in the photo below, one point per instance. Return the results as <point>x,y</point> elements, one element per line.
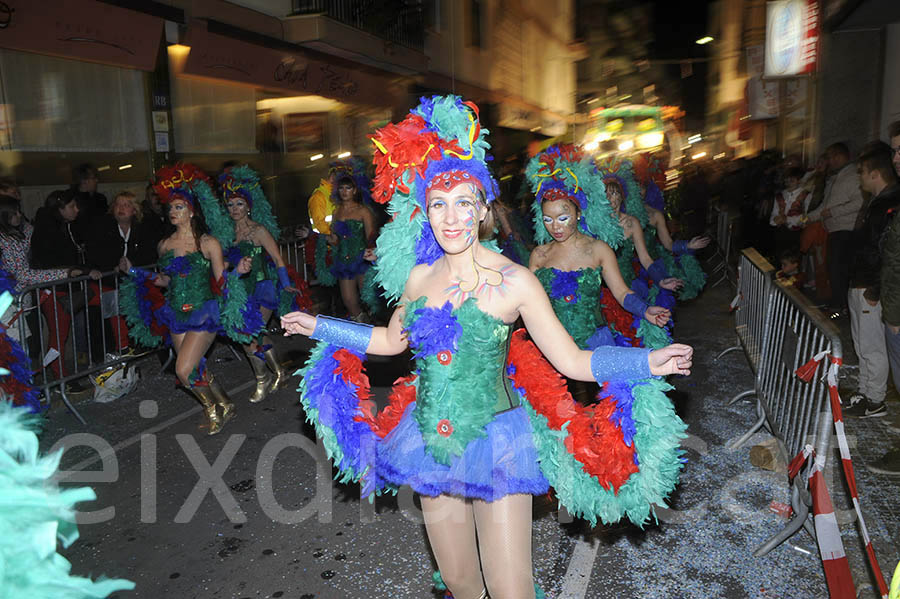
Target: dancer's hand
<point>369,255</point>
<point>657,315</point>
<point>671,283</point>
<point>698,243</point>
<point>298,323</point>
<point>301,233</point>
<point>244,265</point>
<point>672,359</point>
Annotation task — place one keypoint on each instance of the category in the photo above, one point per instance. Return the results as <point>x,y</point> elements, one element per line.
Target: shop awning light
<point>592,146</point>
<point>344,155</point>
<point>650,140</point>
<point>718,156</point>
<point>315,157</point>
<point>626,145</point>
<point>704,40</point>
<point>105,167</point>
<point>695,138</point>
<point>698,155</point>
<point>124,166</point>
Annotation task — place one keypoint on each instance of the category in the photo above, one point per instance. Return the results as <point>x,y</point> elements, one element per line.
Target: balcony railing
<point>401,22</point>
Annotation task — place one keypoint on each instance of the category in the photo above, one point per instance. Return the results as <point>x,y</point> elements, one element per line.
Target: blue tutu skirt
<point>264,294</point>
<point>202,318</point>
<point>349,270</point>
<point>502,463</point>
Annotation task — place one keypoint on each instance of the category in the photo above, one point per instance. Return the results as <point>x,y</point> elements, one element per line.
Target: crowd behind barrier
<point>71,328</point>
<point>724,244</point>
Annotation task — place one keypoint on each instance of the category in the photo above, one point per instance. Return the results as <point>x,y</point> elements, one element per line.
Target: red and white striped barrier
<point>837,570</point>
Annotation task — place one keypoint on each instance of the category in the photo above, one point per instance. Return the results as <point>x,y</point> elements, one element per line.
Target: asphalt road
<point>254,512</point>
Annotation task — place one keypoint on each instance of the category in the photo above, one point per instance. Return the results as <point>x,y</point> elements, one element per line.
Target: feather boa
<point>35,515</point>
<point>241,318</point>
<point>294,302</point>
<point>139,299</point>
<point>323,261</point>
<point>15,373</point>
<point>656,435</point>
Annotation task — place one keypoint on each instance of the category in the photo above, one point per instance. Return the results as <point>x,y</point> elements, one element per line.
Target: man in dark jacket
<point>890,299</point>
<point>876,177</point>
<point>91,203</point>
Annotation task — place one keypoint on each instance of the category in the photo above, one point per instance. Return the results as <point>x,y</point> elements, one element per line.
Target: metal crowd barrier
<point>795,412</point>
<point>724,238</point>
<point>293,253</point>
<point>755,276</point>
<point>69,329</point>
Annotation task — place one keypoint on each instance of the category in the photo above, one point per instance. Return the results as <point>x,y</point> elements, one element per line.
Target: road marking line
<point>64,474</point>
<point>575,582</point>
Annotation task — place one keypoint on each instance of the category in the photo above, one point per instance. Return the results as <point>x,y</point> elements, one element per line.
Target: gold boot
<point>281,377</point>
<point>207,399</point>
<point>222,399</point>
<point>264,379</point>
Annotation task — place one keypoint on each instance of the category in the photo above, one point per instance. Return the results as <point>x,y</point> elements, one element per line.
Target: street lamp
<point>704,40</point>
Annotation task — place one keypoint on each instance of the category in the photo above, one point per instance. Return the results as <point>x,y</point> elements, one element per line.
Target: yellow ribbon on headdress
<point>174,181</point>
<point>538,190</point>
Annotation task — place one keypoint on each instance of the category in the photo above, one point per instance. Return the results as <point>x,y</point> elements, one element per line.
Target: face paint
<point>453,216</point>
<point>560,219</point>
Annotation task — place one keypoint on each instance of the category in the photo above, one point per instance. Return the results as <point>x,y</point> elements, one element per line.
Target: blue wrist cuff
<point>344,333</point>
<point>140,272</point>
<point>610,363</point>
<point>633,304</point>
<point>283,279</point>
<point>657,271</point>
<point>680,246</point>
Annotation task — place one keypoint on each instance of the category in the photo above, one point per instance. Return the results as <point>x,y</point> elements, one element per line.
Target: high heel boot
<point>264,379</point>
<point>207,399</point>
<point>281,376</point>
<point>222,399</point>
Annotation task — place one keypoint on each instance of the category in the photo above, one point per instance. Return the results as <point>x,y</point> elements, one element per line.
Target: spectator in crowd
<point>876,177</point>
<point>814,237</point>
<point>91,203</point>
<point>789,212</point>
<point>153,220</point>
<point>114,236</point>
<point>890,303</point>
<point>15,247</point>
<point>790,270</point>
<point>57,243</point>
<point>838,212</point>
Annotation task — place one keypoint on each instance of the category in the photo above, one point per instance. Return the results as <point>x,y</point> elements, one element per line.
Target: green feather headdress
<point>622,171</point>
<point>243,181</point>
<point>564,171</point>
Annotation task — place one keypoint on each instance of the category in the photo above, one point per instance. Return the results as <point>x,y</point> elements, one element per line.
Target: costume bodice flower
<point>575,298</point>
<point>189,276</point>
<point>351,239</point>
<point>460,359</point>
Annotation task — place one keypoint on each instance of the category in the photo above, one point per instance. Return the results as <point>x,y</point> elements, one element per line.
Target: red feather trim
<point>618,317</point>
<point>592,438</point>
<point>168,178</point>
<point>304,299</point>
<point>402,394</point>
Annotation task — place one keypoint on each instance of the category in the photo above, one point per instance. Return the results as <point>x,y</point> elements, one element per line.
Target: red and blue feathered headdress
<point>441,139</point>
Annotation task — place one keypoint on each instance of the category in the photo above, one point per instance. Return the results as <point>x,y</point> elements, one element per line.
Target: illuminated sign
<point>792,37</point>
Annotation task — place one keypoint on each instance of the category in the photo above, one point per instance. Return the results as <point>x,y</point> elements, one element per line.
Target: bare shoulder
<point>629,222</point>
<point>415,283</point>
<point>539,256</point>
<point>208,242</point>
<point>600,249</point>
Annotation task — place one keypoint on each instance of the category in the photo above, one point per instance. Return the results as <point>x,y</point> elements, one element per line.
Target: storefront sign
<point>517,117</point>
<point>762,96</point>
<point>221,57</point>
<point>83,30</point>
<point>792,37</point>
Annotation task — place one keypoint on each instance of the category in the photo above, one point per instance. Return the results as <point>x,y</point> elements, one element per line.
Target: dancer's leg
<point>190,351</point>
<point>350,296</point>
<point>504,542</point>
<point>450,524</point>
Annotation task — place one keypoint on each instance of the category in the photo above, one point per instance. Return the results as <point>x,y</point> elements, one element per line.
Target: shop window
<point>59,105</point>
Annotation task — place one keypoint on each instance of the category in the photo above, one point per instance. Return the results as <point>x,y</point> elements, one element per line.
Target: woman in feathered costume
<point>249,230</point>
<point>485,422</point>
<point>198,303</point>
<point>680,256</point>
<point>578,232</point>
<point>340,255</point>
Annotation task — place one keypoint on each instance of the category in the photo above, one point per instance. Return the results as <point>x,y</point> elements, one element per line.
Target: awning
<point>83,30</point>
<point>221,57</point>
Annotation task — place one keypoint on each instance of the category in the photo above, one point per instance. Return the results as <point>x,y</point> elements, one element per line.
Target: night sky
<point>677,26</point>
